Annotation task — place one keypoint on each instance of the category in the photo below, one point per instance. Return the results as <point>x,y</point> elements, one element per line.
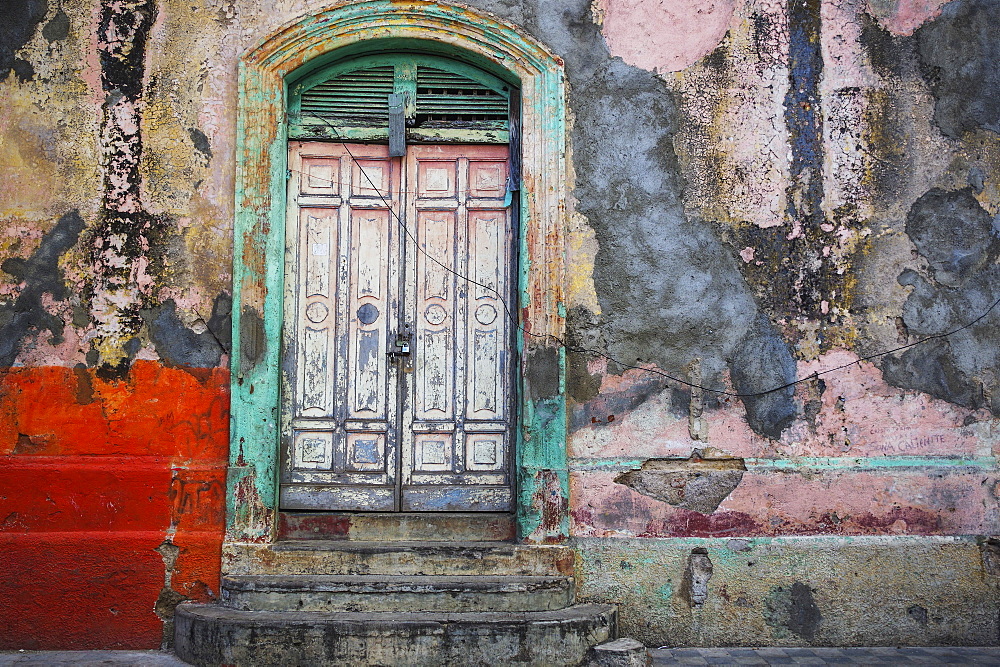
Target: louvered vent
<point>441,104</point>
<point>446,97</point>
<point>355,98</point>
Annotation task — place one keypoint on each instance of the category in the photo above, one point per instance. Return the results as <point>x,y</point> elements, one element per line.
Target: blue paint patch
<point>802,102</point>
<point>813,277</point>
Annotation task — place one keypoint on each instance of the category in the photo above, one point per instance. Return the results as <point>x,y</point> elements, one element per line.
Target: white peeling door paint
<point>364,429</point>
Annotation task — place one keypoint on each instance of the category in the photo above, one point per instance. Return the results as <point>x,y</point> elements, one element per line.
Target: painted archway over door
<point>311,43</point>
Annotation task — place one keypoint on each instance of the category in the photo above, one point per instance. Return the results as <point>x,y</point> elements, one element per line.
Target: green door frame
<point>311,43</point>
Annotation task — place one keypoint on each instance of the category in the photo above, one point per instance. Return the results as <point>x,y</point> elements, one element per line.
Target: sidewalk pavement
<point>905,655</point>
<point>90,658</point>
<point>665,656</point>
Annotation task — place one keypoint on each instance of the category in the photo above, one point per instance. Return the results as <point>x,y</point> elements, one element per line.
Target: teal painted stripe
<point>604,464</point>
<point>812,462</point>
<point>641,546</point>
<point>874,462</point>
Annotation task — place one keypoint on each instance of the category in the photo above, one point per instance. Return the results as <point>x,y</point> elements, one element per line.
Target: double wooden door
<point>397,350</point>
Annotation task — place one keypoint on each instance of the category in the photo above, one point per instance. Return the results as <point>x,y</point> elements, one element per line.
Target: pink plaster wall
<point>803,501</point>
<point>661,35</point>
<point>902,17</point>
<point>857,415</point>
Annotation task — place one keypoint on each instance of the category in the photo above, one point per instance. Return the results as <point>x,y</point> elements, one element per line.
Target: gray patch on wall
<point>761,362</point>
<point>253,341</point>
<point>667,287</point>
<point>960,58</point>
<point>20,19</point>
<point>890,55</point>
<point>954,233</point>
<point>918,614</point>
<point>542,373</point>
<point>200,142</point>
<point>41,275</point>
<point>583,333</point>
<point>960,241</point>
<point>792,609</point>
<point>178,345</point>
<point>57,29</point>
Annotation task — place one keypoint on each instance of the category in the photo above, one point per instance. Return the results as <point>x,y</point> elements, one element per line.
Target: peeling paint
<point>40,275</point>
<point>126,243</point>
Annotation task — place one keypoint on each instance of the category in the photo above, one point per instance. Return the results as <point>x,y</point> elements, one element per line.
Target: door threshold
<point>398,526</point>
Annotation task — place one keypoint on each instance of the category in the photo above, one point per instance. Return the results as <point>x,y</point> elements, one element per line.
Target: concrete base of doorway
<point>213,635</point>
<point>317,602</point>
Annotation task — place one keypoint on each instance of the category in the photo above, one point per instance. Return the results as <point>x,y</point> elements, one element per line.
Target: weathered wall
<point>819,591</point>
<point>114,327</point>
<point>839,161</point>
<point>761,190</point>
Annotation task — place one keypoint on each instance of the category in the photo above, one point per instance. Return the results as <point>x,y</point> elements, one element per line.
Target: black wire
<point>586,350</point>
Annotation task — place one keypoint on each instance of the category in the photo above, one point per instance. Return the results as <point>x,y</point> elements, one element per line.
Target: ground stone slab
<point>214,635</point>
<point>624,652</point>
<point>879,655</point>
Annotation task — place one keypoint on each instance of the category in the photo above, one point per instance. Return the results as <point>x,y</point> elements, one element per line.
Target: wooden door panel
<point>368,315</point>
<point>318,328</point>
<point>487,325</point>
<point>342,296</point>
<point>457,499</point>
<point>434,316</point>
<point>461,375</point>
<point>363,430</point>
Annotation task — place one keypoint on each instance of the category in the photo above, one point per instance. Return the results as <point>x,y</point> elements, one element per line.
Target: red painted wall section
<point>112,497</point>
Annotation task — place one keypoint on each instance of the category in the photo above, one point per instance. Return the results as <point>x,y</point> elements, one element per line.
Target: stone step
<point>370,593</point>
<point>397,526</point>
<point>216,635</point>
<point>340,557</point>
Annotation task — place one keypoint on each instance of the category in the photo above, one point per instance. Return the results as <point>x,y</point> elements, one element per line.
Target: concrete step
<point>369,593</point>
<point>216,635</point>
<point>397,526</point>
<point>340,557</point>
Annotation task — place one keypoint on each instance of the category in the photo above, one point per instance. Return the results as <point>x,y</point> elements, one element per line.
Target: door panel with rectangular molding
<point>398,360</point>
